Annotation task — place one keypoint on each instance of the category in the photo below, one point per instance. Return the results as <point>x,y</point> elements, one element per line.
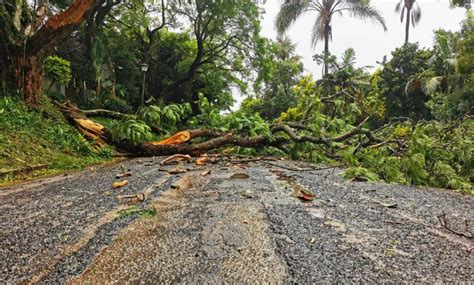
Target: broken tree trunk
<point>181,142</point>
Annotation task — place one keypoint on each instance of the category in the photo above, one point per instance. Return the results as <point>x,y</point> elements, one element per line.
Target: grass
<point>142,212</point>
<point>41,136</point>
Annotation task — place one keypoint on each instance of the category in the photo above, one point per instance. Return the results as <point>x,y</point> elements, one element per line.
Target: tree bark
<point>326,49</point>
<point>407,27</point>
<point>24,73</point>
<point>22,61</point>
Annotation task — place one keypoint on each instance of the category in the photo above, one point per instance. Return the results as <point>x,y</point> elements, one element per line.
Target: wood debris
<point>175,158</point>
<point>119,184</point>
<point>134,198</point>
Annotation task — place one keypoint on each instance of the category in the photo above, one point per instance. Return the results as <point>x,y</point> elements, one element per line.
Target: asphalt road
<point>244,222</point>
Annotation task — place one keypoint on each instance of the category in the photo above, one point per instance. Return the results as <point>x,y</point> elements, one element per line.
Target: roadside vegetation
<point>40,141</point>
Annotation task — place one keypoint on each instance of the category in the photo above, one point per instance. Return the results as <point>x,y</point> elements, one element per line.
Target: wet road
<point>221,227</point>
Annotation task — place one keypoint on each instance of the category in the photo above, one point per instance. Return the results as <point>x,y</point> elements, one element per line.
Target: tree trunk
<point>22,62</point>
<point>24,72</point>
<point>326,49</point>
<point>407,27</point>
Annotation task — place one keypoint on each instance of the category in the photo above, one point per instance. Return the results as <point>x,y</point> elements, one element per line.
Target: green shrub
<point>58,69</point>
<point>117,104</point>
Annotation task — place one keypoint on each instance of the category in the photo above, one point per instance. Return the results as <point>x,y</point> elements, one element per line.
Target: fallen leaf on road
<point>202,160</point>
<point>305,195</point>
<point>176,158</point>
<point>176,170</point>
<point>240,176</point>
<point>205,173</point>
<point>119,184</point>
<point>134,198</point>
<point>125,174</point>
<point>389,205</point>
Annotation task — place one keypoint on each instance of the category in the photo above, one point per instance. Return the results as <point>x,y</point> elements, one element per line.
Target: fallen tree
<point>401,151</point>
<point>183,142</point>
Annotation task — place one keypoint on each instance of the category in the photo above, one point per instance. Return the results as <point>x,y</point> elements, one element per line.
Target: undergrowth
<point>40,136</point>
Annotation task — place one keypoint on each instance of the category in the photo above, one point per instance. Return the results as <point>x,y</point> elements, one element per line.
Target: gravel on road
<point>243,222</point>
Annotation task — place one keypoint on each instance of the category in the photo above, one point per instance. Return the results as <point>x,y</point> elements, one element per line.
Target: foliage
<point>279,69</point>
<point>406,62</point>
<point>167,117</point>
<point>239,122</point>
<point>290,11</point>
<point>138,211</point>
<point>58,69</point>
<point>132,130</point>
<point>117,104</point>
<point>360,174</point>
<point>41,136</point>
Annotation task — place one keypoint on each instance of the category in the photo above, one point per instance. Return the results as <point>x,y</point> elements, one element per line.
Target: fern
<point>360,174</point>
<point>131,130</point>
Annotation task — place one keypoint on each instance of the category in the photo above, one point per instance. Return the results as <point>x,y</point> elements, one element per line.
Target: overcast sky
<point>369,40</point>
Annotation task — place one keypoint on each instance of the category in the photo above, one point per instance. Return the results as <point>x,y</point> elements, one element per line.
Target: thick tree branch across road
<point>182,142</point>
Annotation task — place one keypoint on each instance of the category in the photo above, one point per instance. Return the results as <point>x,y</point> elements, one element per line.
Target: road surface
<point>244,221</point>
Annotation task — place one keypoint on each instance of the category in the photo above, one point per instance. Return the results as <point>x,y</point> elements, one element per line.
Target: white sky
<point>369,40</point>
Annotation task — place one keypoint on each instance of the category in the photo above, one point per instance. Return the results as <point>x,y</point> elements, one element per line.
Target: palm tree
<point>291,10</point>
<point>412,11</point>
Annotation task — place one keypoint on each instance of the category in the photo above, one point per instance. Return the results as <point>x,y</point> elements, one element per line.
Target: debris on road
<point>134,198</point>
<point>122,175</point>
<point>119,184</point>
<point>202,160</point>
<point>175,158</point>
<point>176,170</point>
<point>240,175</point>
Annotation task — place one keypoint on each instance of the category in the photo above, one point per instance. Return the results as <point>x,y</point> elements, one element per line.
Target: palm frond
<point>317,32</point>
<point>348,57</point>
<point>399,6</point>
<point>290,11</point>
<point>431,84</point>
<point>415,15</point>
<point>362,10</point>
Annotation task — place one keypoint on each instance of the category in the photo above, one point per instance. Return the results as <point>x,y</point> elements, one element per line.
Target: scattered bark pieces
<point>389,205</point>
<point>202,160</point>
<point>119,184</point>
<point>444,221</point>
<point>205,173</point>
<point>240,175</point>
<point>305,195</point>
<point>122,175</point>
<point>176,171</point>
<point>175,158</point>
<point>134,198</point>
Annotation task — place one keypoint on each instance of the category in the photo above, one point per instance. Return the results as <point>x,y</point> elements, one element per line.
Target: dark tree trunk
<point>24,72</point>
<point>22,62</point>
<point>326,49</point>
<point>407,27</point>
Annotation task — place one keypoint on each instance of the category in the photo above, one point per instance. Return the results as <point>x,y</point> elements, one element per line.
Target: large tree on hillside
<point>291,10</point>
<point>410,12</point>
<point>29,32</point>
